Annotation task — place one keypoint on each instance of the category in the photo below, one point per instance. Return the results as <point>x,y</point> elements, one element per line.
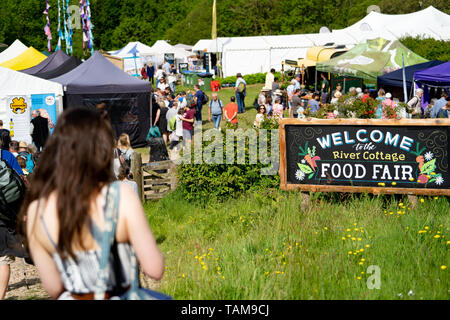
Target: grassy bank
<point>263,246</point>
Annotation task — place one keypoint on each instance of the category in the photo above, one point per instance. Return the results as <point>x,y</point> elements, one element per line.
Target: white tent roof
<point>428,22</point>
<point>124,51</point>
<point>210,45</point>
<point>184,46</point>
<point>15,49</point>
<point>161,47</point>
<point>18,83</point>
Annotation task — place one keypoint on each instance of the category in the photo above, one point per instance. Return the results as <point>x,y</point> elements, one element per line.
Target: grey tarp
<point>52,62</point>
<point>127,99</point>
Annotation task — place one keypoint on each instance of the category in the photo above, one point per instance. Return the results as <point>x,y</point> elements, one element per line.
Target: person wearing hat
<point>262,96</point>
<point>240,89</point>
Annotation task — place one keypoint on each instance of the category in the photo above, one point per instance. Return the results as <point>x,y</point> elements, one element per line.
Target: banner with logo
<point>19,117</point>
<point>46,104</point>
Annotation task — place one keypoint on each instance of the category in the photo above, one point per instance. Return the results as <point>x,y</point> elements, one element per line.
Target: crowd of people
<point>301,102</point>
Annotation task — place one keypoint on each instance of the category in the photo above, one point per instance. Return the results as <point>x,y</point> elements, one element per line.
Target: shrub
<point>218,182</point>
<point>249,78</point>
<point>430,49</point>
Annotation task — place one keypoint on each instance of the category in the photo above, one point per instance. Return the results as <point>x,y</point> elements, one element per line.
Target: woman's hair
<point>381,92</point>
<point>269,100</point>
<point>124,141</point>
<point>124,173</point>
<point>262,106</point>
<point>76,163</point>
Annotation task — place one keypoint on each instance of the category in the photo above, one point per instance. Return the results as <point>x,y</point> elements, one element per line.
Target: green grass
<point>245,119</point>
<point>268,248</point>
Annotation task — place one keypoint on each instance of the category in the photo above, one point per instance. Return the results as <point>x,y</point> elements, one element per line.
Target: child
<point>260,116</point>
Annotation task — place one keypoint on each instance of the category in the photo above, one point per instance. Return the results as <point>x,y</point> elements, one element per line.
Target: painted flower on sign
<point>429,155</point>
<point>308,164</point>
<point>300,175</point>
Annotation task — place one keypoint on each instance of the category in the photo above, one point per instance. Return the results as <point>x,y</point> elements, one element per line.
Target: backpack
<point>172,123</point>
<point>241,87</point>
<point>12,192</point>
<point>29,160</point>
<point>205,98</point>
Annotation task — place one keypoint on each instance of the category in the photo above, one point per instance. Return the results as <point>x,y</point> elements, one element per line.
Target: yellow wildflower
<point>359,278</point>
<point>367,245</point>
<point>421,200</point>
<point>443,267</point>
<point>182,275</point>
<point>437,236</point>
<point>426,228</point>
<point>343,238</point>
<point>349,252</point>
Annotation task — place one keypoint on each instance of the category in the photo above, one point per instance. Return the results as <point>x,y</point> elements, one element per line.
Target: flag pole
<point>405,94</point>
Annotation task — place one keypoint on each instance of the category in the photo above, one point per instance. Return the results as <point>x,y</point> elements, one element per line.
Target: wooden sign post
<point>366,155</point>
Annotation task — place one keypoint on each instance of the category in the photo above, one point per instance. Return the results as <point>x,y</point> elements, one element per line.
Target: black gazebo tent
<point>127,99</point>
<point>53,61</point>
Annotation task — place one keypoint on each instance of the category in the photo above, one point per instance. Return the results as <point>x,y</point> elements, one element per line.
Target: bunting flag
<point>87,26</point>
<point>68,33</point>
<point>47,30</point>
<point>60,33</point>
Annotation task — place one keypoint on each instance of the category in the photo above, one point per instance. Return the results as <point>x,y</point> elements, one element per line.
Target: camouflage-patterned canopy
<point>371,59</point>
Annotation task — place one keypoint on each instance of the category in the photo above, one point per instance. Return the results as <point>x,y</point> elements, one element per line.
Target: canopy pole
<point>315,80</point>
<point>343,89</point>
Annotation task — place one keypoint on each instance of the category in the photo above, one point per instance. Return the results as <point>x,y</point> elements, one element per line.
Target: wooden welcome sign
<point>365,155</point>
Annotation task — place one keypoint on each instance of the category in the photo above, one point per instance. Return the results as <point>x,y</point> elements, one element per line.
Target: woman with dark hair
<point>75,210</point>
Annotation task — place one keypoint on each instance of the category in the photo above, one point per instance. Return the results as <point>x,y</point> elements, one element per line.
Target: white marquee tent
<point>429,23</point>
<point>12,83</point>
<point>15,49</point>
<point>259,54</point>
<point>130,63</point>
<point>161,47</point>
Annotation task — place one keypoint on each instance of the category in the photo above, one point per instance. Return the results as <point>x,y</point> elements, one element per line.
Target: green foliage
<point>249,78</point>
<point>430,49</point>
<point>217,182</point>
<point>263,245</point>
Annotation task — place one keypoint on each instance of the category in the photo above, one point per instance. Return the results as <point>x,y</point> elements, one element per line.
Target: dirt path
<point>17,288</point>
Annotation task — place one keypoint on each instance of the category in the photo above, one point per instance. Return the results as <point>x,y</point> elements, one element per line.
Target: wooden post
<point>136,169</point>
<point>413,200</point>
<point>306,201</point>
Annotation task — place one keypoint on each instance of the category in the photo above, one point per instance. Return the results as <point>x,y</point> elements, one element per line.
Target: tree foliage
<point>119,21</point>
<point>430,49</point>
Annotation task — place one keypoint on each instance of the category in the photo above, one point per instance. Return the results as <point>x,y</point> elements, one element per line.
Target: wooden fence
<point>154,179</point>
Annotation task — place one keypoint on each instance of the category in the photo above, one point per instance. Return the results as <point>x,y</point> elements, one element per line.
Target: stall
<point>437,77</point>
<point>19,94</point>
<point>97,83</point>
<point>131,57</point>
<point>27,59</point>
<point>371,59</point>
<point>393,81</point>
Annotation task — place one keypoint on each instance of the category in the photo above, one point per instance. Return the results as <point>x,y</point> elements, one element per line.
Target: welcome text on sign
<point>377,136</point>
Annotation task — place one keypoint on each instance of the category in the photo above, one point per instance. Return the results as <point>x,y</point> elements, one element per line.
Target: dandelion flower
<point>343,238</point>
<point>362,250</point>
<point>353,238</point>
<point>359,278</point>
<point>426,228</point>
<point>443,267</point>
<point>359,239</point>
<point>363,259</point>
<point>182,275</point>
<point>367,245</point>
<point>448,242</point>
<point>421,200</point>
<point>362,272</point>
<point>267,273</point>
<point>435,198</point>
<point>437,236</point>
<point>348,230</point>
<point>361,263</point>
<point>349,252</point>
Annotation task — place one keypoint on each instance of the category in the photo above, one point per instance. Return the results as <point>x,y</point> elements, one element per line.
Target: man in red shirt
<point>231,111</point>
<point>188,124</point>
